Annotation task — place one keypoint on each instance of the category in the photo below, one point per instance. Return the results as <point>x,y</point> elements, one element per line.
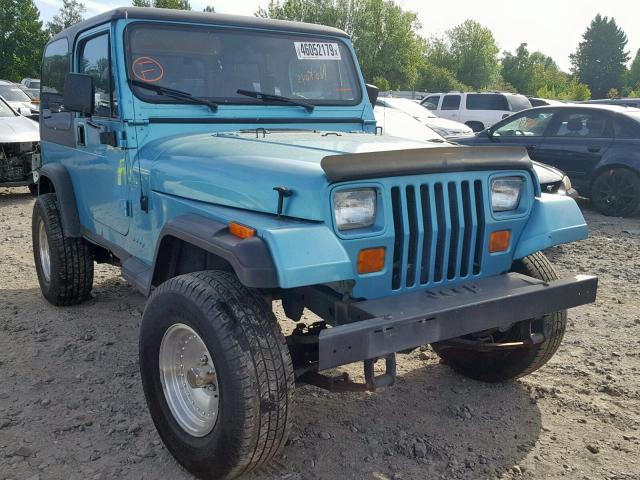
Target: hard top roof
<point>169,15</point>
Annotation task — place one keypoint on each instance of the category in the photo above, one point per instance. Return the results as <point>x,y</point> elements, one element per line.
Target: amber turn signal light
<point>499,241</point>
<point>241,231</point>
<point>371,260</point>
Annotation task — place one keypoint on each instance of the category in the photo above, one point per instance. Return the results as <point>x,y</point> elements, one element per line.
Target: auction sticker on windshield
<point>317,51</point>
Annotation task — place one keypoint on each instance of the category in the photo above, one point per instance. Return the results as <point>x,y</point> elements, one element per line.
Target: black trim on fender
<point>395,163</point>
<point>250,258</point>
<point>59,176</point>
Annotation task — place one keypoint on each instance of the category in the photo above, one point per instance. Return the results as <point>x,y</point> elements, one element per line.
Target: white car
<point>398,124</point>
<point>446,128</point>
<point>19,147</point>
<point>16,97</point>
<point>478,110</point>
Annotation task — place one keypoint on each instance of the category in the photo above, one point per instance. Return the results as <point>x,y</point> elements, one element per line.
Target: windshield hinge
<point>137,122</point>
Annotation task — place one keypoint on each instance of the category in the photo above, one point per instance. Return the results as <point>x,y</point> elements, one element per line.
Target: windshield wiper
<point>268,97</point>
<point>177,94</point>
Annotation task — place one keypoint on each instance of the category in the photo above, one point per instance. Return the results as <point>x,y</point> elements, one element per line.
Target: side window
<point>95,60</point>
<point>55,66</point>
<point>450,102</point>
<point>487,101</point>
<point>582,124</point>
<point>530,125</point>
<point>624,128</point>
<point>431,102</point>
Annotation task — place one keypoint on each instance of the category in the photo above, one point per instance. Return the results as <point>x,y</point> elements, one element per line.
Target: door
<point>102,168</point>
<point>524,130</point>
<point>576,141</point>
<point>450,107</point>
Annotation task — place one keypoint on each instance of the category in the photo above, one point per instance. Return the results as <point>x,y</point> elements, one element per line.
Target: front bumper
<point>407,321</point>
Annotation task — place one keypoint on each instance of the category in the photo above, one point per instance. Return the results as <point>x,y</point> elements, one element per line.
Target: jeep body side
<point>226,162</point>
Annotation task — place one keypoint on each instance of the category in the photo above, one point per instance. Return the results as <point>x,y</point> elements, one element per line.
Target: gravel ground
<point>72,407</point>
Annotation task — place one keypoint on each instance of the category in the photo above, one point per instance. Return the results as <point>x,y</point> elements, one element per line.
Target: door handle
<point>82,139</point>
<point>593,149</point>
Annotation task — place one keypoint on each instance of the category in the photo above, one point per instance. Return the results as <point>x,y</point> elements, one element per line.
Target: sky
<point>554,27</point>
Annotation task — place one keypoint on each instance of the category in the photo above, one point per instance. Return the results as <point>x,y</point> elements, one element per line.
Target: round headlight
<point>354,208</point>
<point>505,193</point>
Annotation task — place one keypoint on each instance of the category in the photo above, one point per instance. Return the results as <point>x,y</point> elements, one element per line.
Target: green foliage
<point>613,93</point>
<point>600,60</point>
<point>21,39</point>
<point>70,13</point>
<point>384,36</point>
<point>173,4</point>
<point>528,72</point>
<point>382,83</point>
<point>433,78</point>
<point>474,52</point>
<point>209,9</point>
<point>573,90</point>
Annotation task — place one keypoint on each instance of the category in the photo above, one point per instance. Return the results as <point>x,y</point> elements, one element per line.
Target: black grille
<point>439,232</point>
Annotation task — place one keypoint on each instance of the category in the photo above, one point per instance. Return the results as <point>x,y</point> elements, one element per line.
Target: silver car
<point>19,148</point>
<point>17,98</point>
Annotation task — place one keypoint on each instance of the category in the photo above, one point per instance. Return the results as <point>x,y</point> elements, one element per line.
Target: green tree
<point>528,72</point>
<point>474,52</point>
<point>21,39</point>
<point>433,78</point>
<point>70,13</point>
<point>209,9</point>
<point>600,60</point>
<point>633,78</point>
<point>172,4</point>
<point>384,35</point>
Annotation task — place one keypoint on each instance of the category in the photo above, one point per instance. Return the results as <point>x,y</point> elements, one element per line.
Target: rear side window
<point>450,102</point>
<point>95,60</point>
<point>487,101</point>
<point>431,102</point>
<point>518,102</point>
<point>625,128</point>
<point>55,66</point>
<point>592,124</point>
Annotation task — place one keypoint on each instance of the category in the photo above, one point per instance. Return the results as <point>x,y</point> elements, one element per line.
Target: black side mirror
<point>79,93</point>
<point>373,92</point>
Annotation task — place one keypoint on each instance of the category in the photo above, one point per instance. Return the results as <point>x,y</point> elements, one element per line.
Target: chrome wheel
<point>189,380</point>
<point>43,247</point>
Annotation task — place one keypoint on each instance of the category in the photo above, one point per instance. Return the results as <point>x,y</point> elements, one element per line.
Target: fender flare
<point>250,258</point>
<point>59,176</point>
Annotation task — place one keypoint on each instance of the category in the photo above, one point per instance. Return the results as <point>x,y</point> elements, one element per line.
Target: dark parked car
<point>598,146</point>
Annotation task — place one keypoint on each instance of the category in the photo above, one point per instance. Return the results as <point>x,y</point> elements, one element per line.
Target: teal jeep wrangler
<point>225,163</point>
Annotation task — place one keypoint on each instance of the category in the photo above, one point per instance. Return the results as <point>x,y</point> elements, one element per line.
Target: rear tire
<point>616,192</point>
<point>254,377</point>
<point>500,365</point>
<point>64,264</point>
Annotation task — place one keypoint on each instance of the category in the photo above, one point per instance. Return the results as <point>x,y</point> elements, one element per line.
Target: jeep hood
<point>242,169</point>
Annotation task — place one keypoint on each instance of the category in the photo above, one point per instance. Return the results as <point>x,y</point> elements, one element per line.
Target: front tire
<point>213,329</point>
<point>64,264</point>
<point>502,364</point>
<point>616,192</point>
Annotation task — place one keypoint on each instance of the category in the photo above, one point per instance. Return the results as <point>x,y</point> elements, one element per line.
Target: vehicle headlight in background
<point>505,193</point>
<point>354,208</point>
<point>565,186</point>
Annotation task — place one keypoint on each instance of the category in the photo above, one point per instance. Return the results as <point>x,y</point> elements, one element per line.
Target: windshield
<point>13,93</point>
<point>5,110</point>
<point>211,63</point>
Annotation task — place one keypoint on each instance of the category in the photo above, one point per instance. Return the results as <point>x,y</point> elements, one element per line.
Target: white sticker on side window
<point>317,51</point>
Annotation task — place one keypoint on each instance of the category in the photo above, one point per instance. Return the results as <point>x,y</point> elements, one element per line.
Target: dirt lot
<point>71,404</point>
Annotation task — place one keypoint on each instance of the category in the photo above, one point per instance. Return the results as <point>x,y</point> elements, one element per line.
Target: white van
<point>478,110</point>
